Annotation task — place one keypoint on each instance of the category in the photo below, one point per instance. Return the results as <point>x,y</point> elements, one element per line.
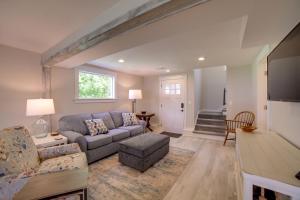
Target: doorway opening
<point>210,100</point>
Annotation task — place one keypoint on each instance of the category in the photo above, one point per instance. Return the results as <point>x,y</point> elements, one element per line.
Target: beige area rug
<point>110,180</point>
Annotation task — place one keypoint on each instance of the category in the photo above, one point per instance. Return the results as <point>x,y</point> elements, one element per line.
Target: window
<point>172,89</point>
<point>94,85</point>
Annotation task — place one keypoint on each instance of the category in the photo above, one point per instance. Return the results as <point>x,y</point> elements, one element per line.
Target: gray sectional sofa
<point>99,146</point>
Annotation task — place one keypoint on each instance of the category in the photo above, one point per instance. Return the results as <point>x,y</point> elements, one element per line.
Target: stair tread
<point>209,116</point>
<point>209,119</point>
<point>213,114</point>
<point>211,125</point>
<point>209,132</point>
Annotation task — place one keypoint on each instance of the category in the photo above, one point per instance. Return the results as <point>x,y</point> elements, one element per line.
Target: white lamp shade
<point>135,94</point>
<point>38,107</point>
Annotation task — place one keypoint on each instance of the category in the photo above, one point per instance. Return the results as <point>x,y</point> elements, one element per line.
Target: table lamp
<point>134,95</point>
<point>40,107</point>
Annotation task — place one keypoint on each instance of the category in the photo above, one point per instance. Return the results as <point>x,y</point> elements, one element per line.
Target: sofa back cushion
<point>75,123</point>
<point>18,152</point>
<point>105,116</point>
<point>117,118</point>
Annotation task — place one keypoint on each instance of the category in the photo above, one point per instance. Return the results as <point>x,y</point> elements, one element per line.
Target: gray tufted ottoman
<point>143,151</point>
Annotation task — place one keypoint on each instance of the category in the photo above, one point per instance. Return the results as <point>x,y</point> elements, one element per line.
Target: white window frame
<point>98,71</point>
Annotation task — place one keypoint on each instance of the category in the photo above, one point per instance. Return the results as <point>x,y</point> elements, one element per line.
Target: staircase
<point>210,123</point>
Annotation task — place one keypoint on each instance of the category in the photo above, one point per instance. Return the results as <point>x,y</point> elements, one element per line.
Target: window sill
<point>95,100</point>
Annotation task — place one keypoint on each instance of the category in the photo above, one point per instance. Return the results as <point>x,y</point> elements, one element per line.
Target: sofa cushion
<point>75,123</point>
<point>118,134</point>
<point>133,130</point>
<point>63,163</point>
<point>105,116</point>
<point>143,145</point>
<point>117,118</point>
<point>96,141</point>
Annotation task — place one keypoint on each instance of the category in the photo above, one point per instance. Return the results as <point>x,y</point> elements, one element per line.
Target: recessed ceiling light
<point>121,60</point>
<point>201,58</point>
<point>167,70</point>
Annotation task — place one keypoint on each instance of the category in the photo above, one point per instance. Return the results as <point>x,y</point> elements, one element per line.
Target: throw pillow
<point>102,128</point>
<point>96,126</point>
<point>129,119</point>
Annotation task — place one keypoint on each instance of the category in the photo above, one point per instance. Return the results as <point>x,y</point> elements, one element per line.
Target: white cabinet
<point>266,160</point>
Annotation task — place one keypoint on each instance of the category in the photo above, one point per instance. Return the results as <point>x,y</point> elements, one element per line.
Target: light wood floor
<point>210,175</point>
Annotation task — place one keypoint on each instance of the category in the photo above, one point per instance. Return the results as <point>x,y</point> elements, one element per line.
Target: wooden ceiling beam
<point>149,12</point>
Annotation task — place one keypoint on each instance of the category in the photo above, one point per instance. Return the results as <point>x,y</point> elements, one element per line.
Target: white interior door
<point>262,95</point>
<point>172,103</point>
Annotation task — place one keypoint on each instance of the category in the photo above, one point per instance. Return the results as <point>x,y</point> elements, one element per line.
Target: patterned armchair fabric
<point>17,151</point>
<point>53,152</point>
<point>63,163</point>
<point>20,160</point>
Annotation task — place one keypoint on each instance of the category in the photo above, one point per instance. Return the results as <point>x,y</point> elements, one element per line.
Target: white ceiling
<point>230,33</point>
<point>37,25</point>
<point>219,44</point>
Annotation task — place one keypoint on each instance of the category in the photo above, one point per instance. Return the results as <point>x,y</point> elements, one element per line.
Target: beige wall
<point>20,79</point>
<point>190,104</point>
<point>151,97</point>
<point>240,90</point>
<point>213,84</point>
<point>197,90</point>
<point>63,93</point>
<point>284,118</point>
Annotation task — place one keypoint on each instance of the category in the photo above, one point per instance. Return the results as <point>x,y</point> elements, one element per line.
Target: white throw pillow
<point>129,119</point>
<point>96,126</point>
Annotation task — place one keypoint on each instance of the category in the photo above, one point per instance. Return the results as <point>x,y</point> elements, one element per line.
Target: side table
<point>50,141</point>
<point>146,117</point>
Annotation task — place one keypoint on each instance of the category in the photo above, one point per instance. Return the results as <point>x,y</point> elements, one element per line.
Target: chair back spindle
<point>245,118</point>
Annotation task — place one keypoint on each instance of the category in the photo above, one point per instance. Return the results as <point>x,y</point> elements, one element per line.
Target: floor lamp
<point>134,95</point>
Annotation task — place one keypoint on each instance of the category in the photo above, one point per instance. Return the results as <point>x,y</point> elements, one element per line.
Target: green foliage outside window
<point>95,86</point>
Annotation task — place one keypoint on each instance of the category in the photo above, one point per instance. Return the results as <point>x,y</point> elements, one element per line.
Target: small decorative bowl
<point>144,112</point>
<point>248,129</point>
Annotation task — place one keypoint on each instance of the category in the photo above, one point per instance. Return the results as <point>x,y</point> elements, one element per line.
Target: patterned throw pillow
<point>96,126</point>
<point>129,119</point>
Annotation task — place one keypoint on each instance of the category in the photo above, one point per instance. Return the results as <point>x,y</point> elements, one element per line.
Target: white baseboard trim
<point>188,129</point>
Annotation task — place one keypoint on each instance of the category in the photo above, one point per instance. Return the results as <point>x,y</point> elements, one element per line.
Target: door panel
<point>262,95</point>
<point>172,104</point>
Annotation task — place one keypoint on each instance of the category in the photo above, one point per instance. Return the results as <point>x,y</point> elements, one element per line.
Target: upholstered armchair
<point>22,164</point>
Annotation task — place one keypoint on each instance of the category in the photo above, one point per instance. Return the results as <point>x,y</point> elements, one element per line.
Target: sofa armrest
<point>56,151</point>
<point>143,123</point>
<point>11,184</point>
<point>74,137</point>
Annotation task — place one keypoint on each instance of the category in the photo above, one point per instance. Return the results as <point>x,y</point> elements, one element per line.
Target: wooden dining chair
<point>245,118</point>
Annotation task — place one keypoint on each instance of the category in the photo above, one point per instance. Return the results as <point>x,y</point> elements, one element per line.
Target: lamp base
<point>40,128</point>
<point>133,105</point>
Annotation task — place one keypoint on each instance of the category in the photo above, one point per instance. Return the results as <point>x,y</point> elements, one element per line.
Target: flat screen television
<point>284,69</point>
